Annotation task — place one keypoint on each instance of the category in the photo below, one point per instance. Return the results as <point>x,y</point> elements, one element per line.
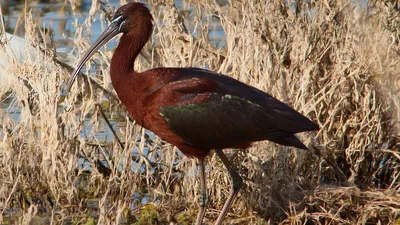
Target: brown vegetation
<point>334,61</point>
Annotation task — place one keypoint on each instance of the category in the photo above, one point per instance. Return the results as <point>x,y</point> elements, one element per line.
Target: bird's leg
<point>203,194</point>
<point>236,185</point>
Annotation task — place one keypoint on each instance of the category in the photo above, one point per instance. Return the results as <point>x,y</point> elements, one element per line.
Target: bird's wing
<point>216,110</point>
<point>289,119</point>
<point>212,120</point>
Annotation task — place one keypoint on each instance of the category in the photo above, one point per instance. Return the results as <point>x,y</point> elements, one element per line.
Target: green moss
<point>186,217</point>
<point>148,215</point>
<point>90,221</point>
<point>6,222</point>
<point>105,104</point>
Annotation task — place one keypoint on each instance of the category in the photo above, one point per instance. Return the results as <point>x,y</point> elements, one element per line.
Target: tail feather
<point>290,140</point>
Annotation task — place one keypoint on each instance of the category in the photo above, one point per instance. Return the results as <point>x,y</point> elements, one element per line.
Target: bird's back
<point>211,111</point>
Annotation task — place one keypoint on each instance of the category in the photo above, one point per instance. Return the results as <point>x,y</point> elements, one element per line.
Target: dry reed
<point>334,61</point>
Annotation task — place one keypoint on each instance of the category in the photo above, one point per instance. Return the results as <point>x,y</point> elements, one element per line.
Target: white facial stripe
<point>116,19</point>
<point>121,25</point>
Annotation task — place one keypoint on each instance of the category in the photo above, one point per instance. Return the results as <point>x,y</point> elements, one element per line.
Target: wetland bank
<point>335,62</point>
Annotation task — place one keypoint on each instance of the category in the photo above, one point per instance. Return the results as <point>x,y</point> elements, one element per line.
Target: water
<point>56,16</point>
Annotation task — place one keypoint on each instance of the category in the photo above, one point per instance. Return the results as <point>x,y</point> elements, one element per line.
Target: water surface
<point>58,20</point>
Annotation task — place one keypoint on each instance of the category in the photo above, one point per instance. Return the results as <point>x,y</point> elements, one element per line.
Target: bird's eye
<point>122,26</point>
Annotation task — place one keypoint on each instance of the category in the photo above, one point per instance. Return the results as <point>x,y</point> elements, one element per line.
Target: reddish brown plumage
<point>156,96</point>
<point>193,109</point>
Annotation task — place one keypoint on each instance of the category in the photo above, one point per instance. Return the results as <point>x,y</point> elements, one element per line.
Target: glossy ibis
<point>194,109</point>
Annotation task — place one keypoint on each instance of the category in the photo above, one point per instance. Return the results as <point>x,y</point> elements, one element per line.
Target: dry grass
<point>335,62</point>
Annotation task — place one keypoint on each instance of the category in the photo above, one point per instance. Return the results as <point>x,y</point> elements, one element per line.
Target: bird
<point>194,109</point>
<point>14,48</point>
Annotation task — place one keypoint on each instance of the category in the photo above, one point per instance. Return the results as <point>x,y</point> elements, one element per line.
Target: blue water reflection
<point>57,17</point>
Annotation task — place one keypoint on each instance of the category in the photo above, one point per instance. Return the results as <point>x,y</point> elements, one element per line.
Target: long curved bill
<point>107,35</point>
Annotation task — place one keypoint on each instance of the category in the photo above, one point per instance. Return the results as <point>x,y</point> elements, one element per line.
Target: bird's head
<point>130,19</point>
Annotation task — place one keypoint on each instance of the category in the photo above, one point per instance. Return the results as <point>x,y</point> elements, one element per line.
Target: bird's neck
<point>126,81</point>
<point>123,60</point>
<point>129,47</point>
